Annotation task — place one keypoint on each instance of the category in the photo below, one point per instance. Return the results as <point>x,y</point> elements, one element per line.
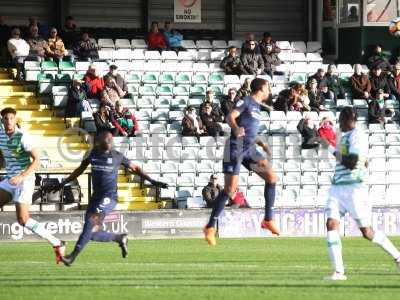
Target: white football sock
<point>335,250</point>
<point>39,229</point>
<point>381,239</point>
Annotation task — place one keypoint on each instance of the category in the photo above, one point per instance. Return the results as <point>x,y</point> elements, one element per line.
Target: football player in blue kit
<point>240,149</point>
<point>105,163</point>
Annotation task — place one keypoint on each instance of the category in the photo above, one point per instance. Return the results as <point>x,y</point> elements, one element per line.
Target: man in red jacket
<point>124,121</point>
<point>156,39</point>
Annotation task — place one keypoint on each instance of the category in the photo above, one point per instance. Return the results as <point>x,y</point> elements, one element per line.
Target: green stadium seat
<point>200,78</point>
<point>183,78</point>
<point>167,78</point>
<point>216,78</point>
<point>45,83</point>
<point>198,91</point>
<point>66,66</point>
<point>181,90</point>
<point>147,90</point>
<point>133,77</point>
<point>298,77</point>
<point>63,78</point>
<point>49,65</point>
<point>150,78</point>
<point>164,90</point>
<point>218,90</point>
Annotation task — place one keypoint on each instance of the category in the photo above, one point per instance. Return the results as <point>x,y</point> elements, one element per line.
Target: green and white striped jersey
<point>16,151</point>
<point>351,142</point>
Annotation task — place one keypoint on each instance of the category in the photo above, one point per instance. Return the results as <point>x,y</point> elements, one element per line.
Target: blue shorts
<point>234,158</point>
<point>102,205</point>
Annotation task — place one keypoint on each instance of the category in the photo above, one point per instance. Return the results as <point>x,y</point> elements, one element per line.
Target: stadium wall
<point>234,223</point>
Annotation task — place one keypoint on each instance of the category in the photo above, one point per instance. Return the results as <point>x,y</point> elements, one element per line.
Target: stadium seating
<point>161,85</point>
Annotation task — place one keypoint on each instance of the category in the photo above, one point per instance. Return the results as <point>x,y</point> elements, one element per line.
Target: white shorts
<point>352,198</point>
<point>21,193</point>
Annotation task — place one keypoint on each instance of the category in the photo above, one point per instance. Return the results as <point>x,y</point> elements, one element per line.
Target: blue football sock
<point>104,236</point>
<point>269,194</point>
<point>219,205</point>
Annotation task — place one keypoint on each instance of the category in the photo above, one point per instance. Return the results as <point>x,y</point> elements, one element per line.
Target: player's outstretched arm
<point>34,153</point>
<point>74,175</point>
<point>138,171</point>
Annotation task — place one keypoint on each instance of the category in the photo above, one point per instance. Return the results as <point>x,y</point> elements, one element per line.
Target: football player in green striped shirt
<point>21,159</point>
<point>349,193</point>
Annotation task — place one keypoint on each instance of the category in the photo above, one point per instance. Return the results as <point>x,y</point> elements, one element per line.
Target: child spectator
<point>124,121</point>
<point>327,131</point>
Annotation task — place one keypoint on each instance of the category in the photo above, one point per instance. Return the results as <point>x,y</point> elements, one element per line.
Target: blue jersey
<point>249,119</point>
<point>105,166</point>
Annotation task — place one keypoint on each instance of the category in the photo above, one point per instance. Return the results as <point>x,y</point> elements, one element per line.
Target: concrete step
<point>8,89</point>
<point>16,94</point>
<point>131,199</point>
<point>19,101</point>
<point>27,107</point>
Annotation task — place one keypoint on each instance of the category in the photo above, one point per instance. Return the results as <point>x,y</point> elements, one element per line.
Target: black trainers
<point>68,259</point>
<point>123,244</point>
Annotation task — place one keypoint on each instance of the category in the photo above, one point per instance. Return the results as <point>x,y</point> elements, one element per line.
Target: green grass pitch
<point>280,268</point>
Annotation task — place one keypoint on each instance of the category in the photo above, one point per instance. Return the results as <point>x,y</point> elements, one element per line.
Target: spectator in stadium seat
<point>55,47</point>
<point>360,84</point>
<point>232,64</point>
<point>309,133</point>
<point>288,99</point>
<point>210,120</point>
<point>216,110</point>
<point>32,22</point>
<point>173,37</point>
<point>333,82</point>
<point>70,33</point>
<point>318,76</point>
<point>327,132</point>
<point>250,37</point>
<point>102,119</point>
<point>229,101</point>
<point>119,80</point>
<point>245,89</point>
<point>395,80</point>
<point>266,42</point>
<point>111,92</point>
<point>211,191</point>
<point>86,49</point>
<point>156,39</point>
<point>37,44</point>
<point>124,121</point>
<point>317,99</point>
<point>252,61</point>
<point>378,59</point>
<point>271,59</point>
<point>5,33</point>
<point>77,100</point>
<point>380,86</point>
<point>191,123</point>
<point>94,82</point>
<point>19,50</point>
